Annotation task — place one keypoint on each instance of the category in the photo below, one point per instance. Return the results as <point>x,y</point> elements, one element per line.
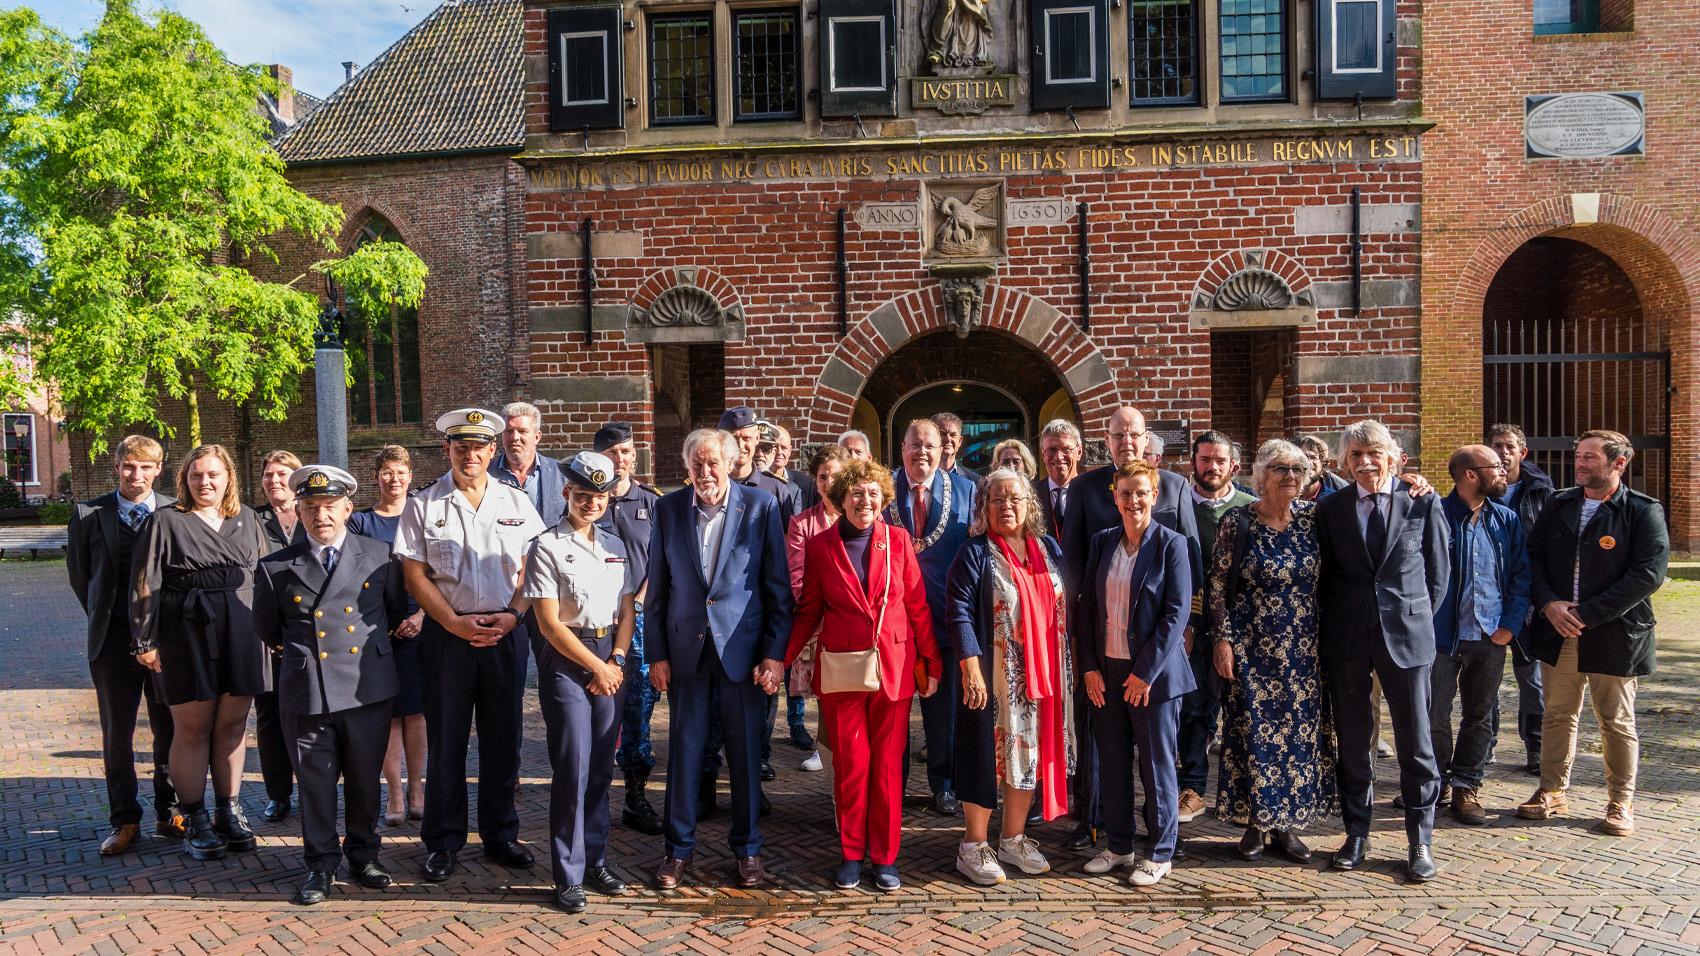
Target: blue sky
<point>311,37</point>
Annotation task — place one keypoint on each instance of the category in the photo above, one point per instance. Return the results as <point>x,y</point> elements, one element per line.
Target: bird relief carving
<point>965,223</point>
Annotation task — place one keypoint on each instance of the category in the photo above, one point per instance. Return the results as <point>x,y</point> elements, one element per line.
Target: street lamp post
<point>330,379</point>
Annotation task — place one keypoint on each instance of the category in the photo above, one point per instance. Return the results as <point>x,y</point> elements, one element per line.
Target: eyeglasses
<point>1286,471</point>
<point>1008,501</point>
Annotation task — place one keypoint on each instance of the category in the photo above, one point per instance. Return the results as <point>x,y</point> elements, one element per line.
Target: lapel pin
<point>1607,542</point>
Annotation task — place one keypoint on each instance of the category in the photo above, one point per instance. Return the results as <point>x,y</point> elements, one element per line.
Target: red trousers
<point>868,733</point>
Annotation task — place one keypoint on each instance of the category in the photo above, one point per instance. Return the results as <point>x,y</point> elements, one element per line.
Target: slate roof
<point>453,83</point>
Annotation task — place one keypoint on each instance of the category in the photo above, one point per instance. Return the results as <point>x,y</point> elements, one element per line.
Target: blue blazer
<point>1156,622</point>
<point>935,561</point>
<point>969,595</point>
<point>746,608</point>
<point>551,486</point>
<point>1400,592</point>
<point>1505,530</point>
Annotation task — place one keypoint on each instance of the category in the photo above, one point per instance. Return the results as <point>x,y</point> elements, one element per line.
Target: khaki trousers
<point>1614,708</point>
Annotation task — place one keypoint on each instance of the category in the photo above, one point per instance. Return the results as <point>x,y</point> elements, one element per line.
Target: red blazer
<point>833,599</point>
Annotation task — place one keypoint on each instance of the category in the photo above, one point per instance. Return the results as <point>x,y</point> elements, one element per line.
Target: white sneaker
<point>1023,854</point>
<point>1108,860</point>
<point>977,862</point>
<point>812,762</point>
<point>1149,872</point>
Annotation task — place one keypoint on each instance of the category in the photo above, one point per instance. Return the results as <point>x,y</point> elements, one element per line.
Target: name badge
<point>510,522</point>
<point>613,560</point>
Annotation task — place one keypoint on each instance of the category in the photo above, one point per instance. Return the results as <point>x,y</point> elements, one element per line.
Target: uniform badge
<point>473,418</point>
<point>599,477</point>
<point>510,522</point>
<point>317,480</point>
<point>643,514</point>
<point>1607,542</point>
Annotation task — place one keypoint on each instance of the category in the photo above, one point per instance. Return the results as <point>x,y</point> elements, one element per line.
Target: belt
<point>592,633</point>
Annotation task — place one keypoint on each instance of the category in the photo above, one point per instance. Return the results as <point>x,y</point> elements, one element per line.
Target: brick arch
<point>703,277</point>
<point>1272,260</point>
<point>875,336</point>
<point>374,210</point>
<point>1661,260</point>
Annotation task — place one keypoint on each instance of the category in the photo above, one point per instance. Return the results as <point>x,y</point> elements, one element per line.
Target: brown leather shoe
<point>173,827</point>
<point>750,873</point>
<point>1620,819</point>
<point>119,839</point>
<point>1467,807</point>
<point>1544,805</point>
<point>671,871</point>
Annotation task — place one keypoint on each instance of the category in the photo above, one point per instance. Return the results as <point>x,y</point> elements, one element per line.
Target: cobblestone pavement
<point>1509,887</point>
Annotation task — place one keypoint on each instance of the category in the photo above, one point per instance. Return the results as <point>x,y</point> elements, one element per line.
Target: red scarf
<point>1036,629</point>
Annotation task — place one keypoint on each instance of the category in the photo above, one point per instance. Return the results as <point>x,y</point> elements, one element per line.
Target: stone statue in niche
<point>959,37</point>
<point>962,226</point>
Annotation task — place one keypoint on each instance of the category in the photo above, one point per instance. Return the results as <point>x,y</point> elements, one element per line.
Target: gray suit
<point>335,683</point>
<point>1377,618</point>
<point>99,559</point>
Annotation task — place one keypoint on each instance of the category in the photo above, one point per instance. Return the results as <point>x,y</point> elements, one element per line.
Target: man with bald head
<point>1090,510</point>
<point>935,507</point>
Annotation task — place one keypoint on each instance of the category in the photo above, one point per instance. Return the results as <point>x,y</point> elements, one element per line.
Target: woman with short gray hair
<point>1278,748</point>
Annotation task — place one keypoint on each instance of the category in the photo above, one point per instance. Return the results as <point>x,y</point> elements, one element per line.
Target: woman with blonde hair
<point>191,623</point>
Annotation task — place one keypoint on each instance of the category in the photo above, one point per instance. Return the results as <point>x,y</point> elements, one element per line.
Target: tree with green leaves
<point>137,184</point>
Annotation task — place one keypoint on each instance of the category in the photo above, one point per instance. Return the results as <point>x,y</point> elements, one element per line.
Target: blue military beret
<point>736,417</point>
<point>611,434</point>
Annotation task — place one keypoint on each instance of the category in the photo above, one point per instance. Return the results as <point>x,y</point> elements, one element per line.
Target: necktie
<point>1057,504</point>
<point>1375,529</point>
<point>920,509</point>
<point>329,559</point>
<point>138,514</point>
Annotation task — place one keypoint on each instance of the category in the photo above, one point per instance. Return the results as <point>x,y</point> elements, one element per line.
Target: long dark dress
<point>1278,739</point>
<point>411,700</point>
<point>193,599</point>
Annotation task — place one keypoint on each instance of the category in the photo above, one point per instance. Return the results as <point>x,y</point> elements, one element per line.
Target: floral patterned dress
<point>1278,746</point>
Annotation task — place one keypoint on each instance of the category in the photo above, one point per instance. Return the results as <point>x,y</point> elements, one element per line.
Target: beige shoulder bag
<point>844,671</point>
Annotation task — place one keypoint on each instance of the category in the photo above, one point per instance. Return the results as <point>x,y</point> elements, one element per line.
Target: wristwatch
<point>618,660</point>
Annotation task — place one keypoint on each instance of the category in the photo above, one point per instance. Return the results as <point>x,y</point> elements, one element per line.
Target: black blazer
<point>1617,582</point>
<point>334,634</point>
<point>91,559</point>
<point>1157,617</point>
<point>1401,592</point>
<point>1092,508</point>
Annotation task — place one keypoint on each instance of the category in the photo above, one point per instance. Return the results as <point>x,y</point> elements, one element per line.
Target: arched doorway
<point>1576,335</point>
<point>998,384</point>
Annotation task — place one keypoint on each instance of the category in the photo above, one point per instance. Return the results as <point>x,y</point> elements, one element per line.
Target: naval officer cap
<point>766,434</point>
<point>737,417</point>
<point>470,424</point>
<point>590,471</point>
<point>611,434</point>
<point>322,481</point>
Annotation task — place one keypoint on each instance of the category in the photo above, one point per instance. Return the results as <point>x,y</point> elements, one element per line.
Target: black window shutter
<point>858,57</point>
<point>1071,53</point>
<point>1356,53</point>
<point>586,67</point>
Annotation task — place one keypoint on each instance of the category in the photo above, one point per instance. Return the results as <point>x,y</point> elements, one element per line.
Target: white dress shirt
<point>589,578</point>
<point>473,556</point>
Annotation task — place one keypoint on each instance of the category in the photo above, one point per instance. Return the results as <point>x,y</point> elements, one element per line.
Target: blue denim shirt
<point>1479,598</point>
<point>1502,529</point>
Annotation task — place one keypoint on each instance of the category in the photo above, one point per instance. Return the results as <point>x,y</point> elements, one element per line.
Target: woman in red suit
<point>862,589</point>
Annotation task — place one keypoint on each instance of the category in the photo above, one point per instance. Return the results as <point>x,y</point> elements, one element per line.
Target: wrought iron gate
<point>1556,378</point>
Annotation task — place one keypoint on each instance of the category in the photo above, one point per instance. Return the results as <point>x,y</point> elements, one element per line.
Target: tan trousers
<point>1614,708</point>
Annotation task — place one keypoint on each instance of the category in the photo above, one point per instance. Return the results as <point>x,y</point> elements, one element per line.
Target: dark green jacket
<point>1623,553</point>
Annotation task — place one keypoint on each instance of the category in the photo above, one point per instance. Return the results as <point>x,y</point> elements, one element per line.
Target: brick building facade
<point>1559,292</point>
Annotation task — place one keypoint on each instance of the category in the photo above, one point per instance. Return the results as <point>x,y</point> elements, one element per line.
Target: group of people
<point>1074,638</point>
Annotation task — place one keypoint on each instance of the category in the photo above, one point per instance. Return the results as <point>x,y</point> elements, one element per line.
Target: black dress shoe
<point>1288,844</point>
<point>316,888</point>
<point>602,880</point>
<point>767,771</point>
<point>510,853</point>
<point>372,876</point>
<point>570,899</point>
<point>232,824</point>
<point>1251,844</point>
<point>276,810</point>
<point>1084,837</point>
<point>1420,866</point>
<point>1180,851</point>
<point>1350,856</point>
<point>947,804</point>
<point>440,865</point>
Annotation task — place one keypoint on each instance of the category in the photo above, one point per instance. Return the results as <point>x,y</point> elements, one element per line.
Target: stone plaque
<point>963,219</point>
<point>1176,436</point>
<point>1584,125</point>
<point>957,95</point>
<point>1040,212</point>
<point>888,216</point>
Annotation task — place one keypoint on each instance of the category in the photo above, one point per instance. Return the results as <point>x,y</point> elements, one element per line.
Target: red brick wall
<point>1482,199</point>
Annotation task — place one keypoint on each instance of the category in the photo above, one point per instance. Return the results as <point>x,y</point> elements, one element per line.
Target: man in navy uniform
<point>99,558</point>
<point>631,513</point>
<point>746,427</point>
<point>719,615</point>
<point>327,604</point>
<point>463,542</point>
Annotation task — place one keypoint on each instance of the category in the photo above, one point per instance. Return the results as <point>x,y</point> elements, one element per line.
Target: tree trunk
<point>192,402</point>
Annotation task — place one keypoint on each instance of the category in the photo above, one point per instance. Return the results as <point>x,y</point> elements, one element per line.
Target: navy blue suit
<point>938,712</point>
<point>712,634</point>
<point>1157,617</point>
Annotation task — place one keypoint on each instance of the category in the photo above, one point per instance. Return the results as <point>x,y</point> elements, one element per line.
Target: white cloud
<point>311,37</point>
